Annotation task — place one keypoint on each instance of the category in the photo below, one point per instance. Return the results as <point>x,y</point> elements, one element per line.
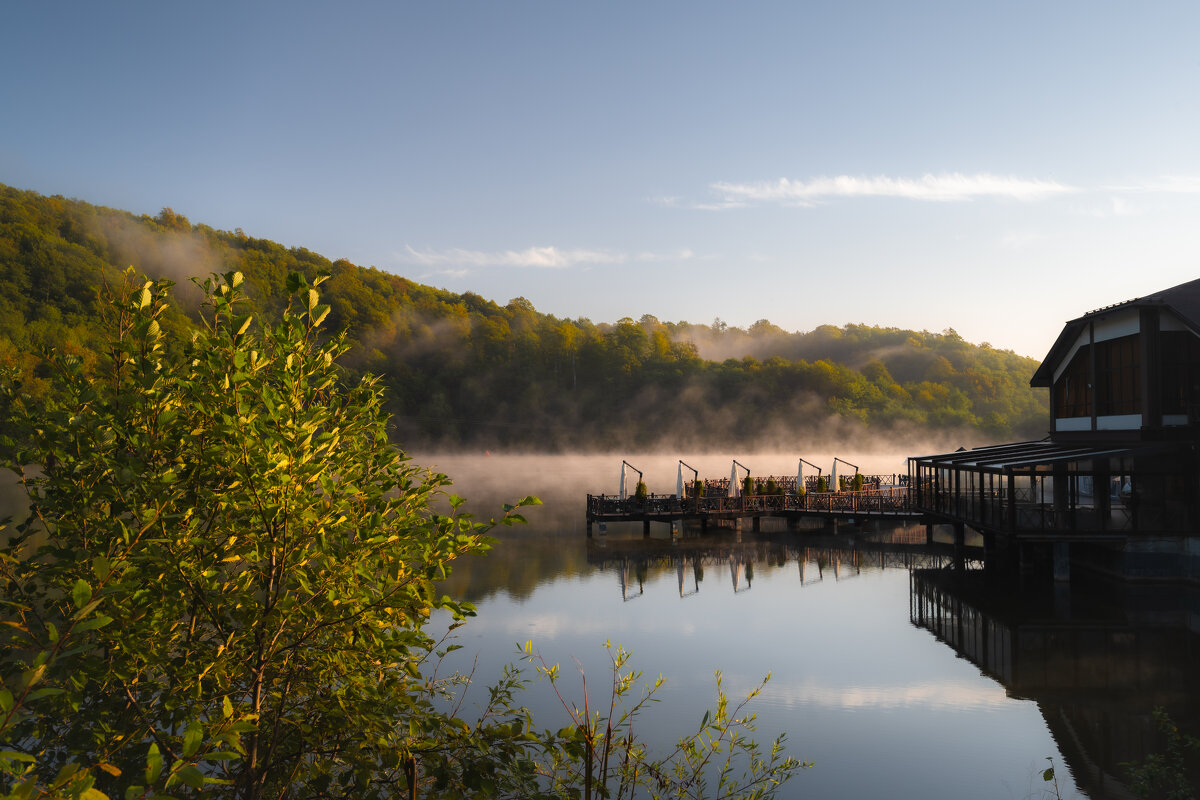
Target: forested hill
<point>465,371</point>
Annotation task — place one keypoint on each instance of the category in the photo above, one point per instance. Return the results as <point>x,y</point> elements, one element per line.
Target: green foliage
<point>858,482</point>
<point>1172,773</point>
<point>772,487</point>
<point>640,492</point>
<point>822,484</point>
<point>223,580</point>
<point>462,369</point>
<point>748,486</point>
<point>225,572</point>
<point>1050,778</point>
<point>697,488</point>
<point>718,759</point>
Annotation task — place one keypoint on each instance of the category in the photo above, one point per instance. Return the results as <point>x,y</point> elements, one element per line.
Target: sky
<point>995,168</point>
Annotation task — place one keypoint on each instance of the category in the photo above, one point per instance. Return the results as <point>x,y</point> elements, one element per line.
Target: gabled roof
<point>1183,300</point>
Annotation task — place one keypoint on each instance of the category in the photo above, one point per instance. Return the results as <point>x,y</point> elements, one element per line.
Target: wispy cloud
<point>458,261</point>
<point>684,254</point>
<point>1168,184</point>
<point>945,188</point>
<point>543,257</point>
<point>945,694</point>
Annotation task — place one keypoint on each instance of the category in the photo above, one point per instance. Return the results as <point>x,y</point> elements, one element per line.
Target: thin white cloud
<point>1168,184</point>
<point>953,694</point>
<point>952,187</point>
<point>543,257</point>
<point>458,261</point>
<point>684,254</point>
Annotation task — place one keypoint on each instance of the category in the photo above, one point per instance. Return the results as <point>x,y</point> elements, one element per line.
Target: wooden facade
<point>1118,473</point>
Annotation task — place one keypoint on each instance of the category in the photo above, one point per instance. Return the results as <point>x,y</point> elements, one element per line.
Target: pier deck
<point>887,502</point>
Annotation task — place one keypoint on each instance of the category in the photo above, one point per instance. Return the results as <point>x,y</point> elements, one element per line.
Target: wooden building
<point>1115,486</point>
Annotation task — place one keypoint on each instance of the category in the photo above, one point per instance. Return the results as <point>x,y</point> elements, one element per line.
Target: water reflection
<point>816,553</point>
<point>900,666</point>
<point>1096,665</point>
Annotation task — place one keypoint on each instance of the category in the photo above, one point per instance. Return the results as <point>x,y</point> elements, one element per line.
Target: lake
<point>895,669</point>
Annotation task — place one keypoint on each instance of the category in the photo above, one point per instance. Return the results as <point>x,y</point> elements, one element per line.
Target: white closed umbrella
<point>733,483</point>
<point>679,482</point>
<point>800,478</point>
<point>833,485</point>
<point>621,493</point>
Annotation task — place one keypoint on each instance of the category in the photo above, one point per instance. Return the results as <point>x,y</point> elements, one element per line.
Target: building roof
<point>1183,300</point>
<point>1028,455</point>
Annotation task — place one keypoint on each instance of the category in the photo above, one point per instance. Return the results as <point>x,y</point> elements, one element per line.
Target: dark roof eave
<point>1044,375</point>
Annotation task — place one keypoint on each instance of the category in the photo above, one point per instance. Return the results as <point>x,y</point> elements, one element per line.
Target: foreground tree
<point>226,569</point>
<point>224,576</point>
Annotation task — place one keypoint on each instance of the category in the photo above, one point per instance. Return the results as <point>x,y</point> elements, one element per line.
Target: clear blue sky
<point>997,168</point>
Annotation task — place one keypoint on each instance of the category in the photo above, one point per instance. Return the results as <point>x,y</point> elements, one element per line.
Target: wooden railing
<point>887,500</point>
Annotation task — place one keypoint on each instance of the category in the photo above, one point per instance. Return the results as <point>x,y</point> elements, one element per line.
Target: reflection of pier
<point>817,556</point>
<point>1097,661</point>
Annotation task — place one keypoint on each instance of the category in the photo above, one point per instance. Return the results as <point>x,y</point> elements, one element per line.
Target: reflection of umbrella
<point>733,487</point>
<point>621,494</point>
<point>679,482</point>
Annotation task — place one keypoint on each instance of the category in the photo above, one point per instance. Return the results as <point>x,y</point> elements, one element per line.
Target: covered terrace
<point>1045,489</point>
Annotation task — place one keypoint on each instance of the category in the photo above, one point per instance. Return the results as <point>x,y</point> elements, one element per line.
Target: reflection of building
<point>1115,484</point>
<point>1096,672</point>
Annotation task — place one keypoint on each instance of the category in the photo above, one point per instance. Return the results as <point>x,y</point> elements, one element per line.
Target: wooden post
<point>960,538</point>
<point>1062,562</point>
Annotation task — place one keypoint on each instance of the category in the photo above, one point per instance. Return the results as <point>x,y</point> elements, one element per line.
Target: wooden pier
<point>886,502</point>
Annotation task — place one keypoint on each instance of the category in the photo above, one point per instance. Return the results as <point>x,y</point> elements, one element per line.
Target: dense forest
<point>465,371</point>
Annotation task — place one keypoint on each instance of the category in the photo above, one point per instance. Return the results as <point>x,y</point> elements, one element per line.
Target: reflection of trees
<point>1097,665</point>
<point>520,560</point>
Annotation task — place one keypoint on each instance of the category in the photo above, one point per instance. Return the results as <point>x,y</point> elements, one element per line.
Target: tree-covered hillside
<point>462,370</point>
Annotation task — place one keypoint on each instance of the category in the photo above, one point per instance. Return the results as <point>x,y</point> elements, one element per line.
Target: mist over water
<point>567,479</point>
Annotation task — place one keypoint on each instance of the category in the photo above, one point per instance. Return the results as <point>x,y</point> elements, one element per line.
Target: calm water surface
<point>878,703</point>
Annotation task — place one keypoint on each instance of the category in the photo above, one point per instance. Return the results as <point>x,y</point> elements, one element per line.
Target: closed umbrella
<point>833,484</point>
<point>733,483</point>
<point>679,482</point>
<point>621,494</point>
<point>800,478</point>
